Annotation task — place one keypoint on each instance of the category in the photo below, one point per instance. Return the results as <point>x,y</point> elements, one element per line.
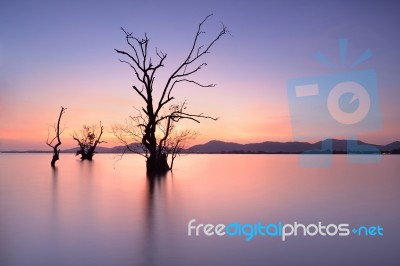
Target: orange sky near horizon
<point>238,122</point>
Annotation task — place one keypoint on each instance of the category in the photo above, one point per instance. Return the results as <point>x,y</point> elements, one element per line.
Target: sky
<point>61,53</point>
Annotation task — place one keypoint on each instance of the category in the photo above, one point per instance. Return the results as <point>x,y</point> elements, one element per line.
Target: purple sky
<point>55,54</point>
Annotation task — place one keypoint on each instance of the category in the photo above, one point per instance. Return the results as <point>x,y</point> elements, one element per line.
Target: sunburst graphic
<point>343,53</point>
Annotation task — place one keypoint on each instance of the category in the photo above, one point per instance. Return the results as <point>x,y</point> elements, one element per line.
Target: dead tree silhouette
<point>141,134</point>
<point>52,143</point>
<point>88,139</point>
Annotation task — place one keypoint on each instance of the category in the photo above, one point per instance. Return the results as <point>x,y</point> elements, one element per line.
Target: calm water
<point>107,213</point>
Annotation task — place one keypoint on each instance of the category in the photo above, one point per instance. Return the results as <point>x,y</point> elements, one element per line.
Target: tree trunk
<point>55,158</point>
<point>56,151</point>
<point>157,164</point>
<point>87,156</point>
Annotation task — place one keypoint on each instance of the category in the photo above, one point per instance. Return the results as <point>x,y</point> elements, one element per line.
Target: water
<point>107,213</point>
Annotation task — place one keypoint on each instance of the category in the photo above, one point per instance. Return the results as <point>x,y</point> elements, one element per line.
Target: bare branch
<point>178,113</point>
<point>129,36</point>
<point>189,60</point>
<point>58,132</point>
<point>131,57</point>
<point>140,93</point>
<point>191,72</point>
<point>134,69</point>
<point>199,84</point>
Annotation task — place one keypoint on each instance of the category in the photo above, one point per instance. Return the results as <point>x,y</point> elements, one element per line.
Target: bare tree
<point>175,141</point>
<point>178,142</point>
<point>144,126</point>
<point>52,143</point>
<point>88,139</point>
<point>131,133</point>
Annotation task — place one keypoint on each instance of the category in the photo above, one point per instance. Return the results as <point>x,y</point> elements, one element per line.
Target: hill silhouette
<point>338,146</point>
<point>218,146</point>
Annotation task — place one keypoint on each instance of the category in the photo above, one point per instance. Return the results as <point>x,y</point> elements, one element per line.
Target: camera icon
<point>340,105</point>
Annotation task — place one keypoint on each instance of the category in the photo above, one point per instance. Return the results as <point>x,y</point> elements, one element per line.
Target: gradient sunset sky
<point>62,54</point>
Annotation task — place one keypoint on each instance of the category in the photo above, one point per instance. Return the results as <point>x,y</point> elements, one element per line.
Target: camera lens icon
<point>334,105</point>
<point>358,92</point>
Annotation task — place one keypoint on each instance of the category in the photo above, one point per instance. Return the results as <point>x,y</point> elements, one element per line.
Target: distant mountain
<point>279,147</point>
<point>217,146</point>
<point>391,146</point>
<point>98,150</point>
<point>338,146</point>
<point>116,149</point>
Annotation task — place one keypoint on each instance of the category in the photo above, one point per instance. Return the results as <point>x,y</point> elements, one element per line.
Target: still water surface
<point>108,213</point>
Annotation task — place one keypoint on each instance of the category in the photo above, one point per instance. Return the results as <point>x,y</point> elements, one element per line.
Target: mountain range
<point>338,146</point>
<point>217,146</point>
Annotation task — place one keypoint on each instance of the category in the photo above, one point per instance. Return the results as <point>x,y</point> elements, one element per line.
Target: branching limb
<point>191,58</point>
<point>58,132</point>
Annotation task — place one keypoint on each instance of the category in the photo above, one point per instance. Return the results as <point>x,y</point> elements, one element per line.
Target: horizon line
<point>292,141</point>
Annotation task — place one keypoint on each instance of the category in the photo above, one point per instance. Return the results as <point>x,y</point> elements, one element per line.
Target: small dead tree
<point>144,127</point>
<point>174,142</point>
<point>88,139</point>
<point>52,143</point>
<point>178,142</point>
